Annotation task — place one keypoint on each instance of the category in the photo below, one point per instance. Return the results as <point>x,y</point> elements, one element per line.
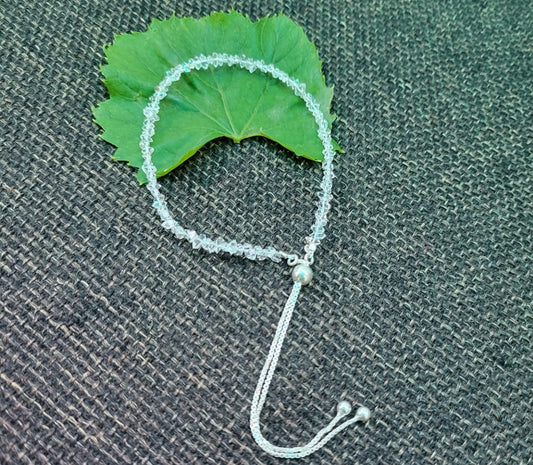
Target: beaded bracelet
<point>301,272</point>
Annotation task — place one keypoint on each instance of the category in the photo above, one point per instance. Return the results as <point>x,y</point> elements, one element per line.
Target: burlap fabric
<point>120,345</point>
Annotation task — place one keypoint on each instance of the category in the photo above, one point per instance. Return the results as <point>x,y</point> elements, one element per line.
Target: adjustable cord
<point>325,434</point>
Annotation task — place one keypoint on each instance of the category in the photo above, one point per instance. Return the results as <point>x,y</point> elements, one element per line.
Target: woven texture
<point>120,345</point>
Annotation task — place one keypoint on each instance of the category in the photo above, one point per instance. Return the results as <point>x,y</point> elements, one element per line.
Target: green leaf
<point>206,104</point>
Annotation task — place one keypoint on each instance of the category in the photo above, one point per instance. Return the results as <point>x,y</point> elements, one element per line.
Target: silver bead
<point>363,413</point>
<point>302,273</point>
<point>344,407</point>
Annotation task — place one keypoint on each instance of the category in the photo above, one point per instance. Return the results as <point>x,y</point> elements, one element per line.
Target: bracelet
<point>302,273</point>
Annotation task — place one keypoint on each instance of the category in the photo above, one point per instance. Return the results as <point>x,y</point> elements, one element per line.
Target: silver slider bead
<point>302,274</point>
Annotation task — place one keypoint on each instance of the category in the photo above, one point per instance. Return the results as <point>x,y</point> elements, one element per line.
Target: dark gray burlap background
<point>120,345</point>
